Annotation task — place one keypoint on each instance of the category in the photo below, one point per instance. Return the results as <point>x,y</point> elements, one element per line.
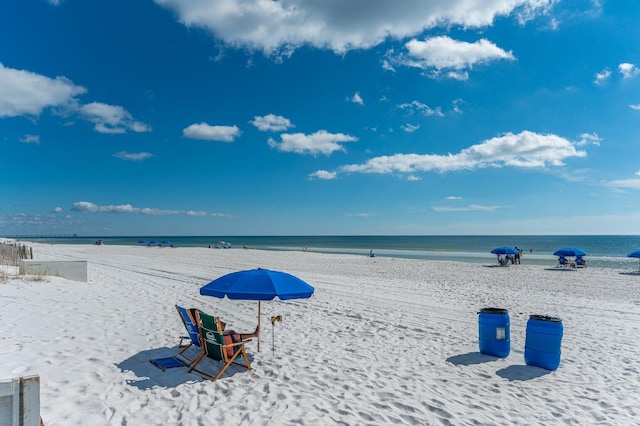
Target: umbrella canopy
<point>258,284</point>
<point>634,254</point>
<point>569,251</point>
<point>504,250</point>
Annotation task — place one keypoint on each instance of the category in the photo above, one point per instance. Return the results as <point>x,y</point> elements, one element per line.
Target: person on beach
<point>243,336</point>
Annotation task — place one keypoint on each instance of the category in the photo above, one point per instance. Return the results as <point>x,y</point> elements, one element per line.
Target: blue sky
<point>300,117</point>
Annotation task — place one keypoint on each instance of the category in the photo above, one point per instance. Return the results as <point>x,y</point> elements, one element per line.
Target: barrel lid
<point>494,311</point>
<point>545,318</point>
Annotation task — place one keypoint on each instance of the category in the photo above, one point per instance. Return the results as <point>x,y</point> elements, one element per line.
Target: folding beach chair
<point>193,333</point>
<point>214,346</point>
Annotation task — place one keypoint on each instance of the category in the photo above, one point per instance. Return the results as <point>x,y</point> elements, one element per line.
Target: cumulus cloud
<point>589,139</point>
<point>89,207</point>
<point>628,70</point>
<point>111,118</point>
<point>410,128</point>
<point>416,106</point>
<point>449,58</point>
<point>27,93</point>
<point>320,142</point>
<point>527,150</point>
<point>30,139</point>
<point>271,123</point>
<point>323,175</point>
<point>139,156</point>
<point>636,107</point>
<point>356,99</point>
<point>279,27</point>
<point>602,77</point>
<point>207,132</point>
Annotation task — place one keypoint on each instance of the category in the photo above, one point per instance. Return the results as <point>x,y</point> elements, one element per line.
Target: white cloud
<point>279,27</point>
<point>524,150</point>
<point>58,210</point>
<point>320,142</point>
<point>111,118</point>
<point>27,93</point>
<point>628,70</point>
<point>446,53</point>
<point>30,139</point>
<point>271,123</point>
<point>602,77</point>
<point>453,197</point>
<point>323,175</point>
<point>589,139</point>
<point>356,99</point>
<point>410,128</point>
<point>89,207</point>
<point>632,183</point>
<point>446,57</point>
<point>636,107</point>
<point>470,208</point>
<point>422,108</point>
<point>207,132</point>
<point>139,156</point>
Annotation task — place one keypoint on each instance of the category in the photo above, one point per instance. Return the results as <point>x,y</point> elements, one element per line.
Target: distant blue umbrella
<point>504,250</point>
<point>634,254</point>
<point>142,242</point>
<point>153,243</point>
<point>166,242</point>
<point>569,251</point>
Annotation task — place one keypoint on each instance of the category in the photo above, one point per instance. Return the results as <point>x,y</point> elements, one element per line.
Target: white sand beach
<point>383,341</point>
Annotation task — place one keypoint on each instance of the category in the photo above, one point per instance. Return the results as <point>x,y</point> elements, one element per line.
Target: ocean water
<point>609,251</point>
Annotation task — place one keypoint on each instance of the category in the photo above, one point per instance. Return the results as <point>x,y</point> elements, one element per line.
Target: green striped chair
<point>215,346</point>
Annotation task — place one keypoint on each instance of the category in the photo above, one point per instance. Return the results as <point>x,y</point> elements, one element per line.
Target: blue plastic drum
<point>543,342</point>
<point>494,332</point>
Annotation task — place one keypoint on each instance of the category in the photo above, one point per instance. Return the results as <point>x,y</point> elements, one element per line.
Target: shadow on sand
<point>521,372</point>
<point>149,376</point>
<point>472,358</point>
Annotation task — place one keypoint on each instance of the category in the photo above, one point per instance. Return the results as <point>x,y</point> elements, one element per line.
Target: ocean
<point>608,251</point>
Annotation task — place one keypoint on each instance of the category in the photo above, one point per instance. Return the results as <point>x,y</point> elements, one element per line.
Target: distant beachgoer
<point>517,258</point>
<point>304,248</point>
<point>371,253</point>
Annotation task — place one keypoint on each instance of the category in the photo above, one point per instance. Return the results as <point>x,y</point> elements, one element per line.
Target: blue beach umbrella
<point>635,253</point>
<point>569,252</point>
<point>142,242</point>
<point>258,284</point>
<point>504,250</point>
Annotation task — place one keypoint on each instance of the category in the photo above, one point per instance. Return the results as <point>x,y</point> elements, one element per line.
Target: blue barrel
<point>543,342</point>
<point>493,332</point>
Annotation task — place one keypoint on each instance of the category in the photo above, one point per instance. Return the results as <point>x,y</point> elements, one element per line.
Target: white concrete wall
<point>75,270</point>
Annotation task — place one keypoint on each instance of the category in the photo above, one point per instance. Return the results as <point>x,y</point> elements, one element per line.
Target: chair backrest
<point>211,337</point>
<point>189,323</point>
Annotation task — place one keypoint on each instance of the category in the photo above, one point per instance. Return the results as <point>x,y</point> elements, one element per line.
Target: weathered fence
<point>11,253</point>
<point>20,402</point>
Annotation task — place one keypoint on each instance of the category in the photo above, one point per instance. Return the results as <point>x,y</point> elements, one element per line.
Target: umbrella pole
<point>258,325</point>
